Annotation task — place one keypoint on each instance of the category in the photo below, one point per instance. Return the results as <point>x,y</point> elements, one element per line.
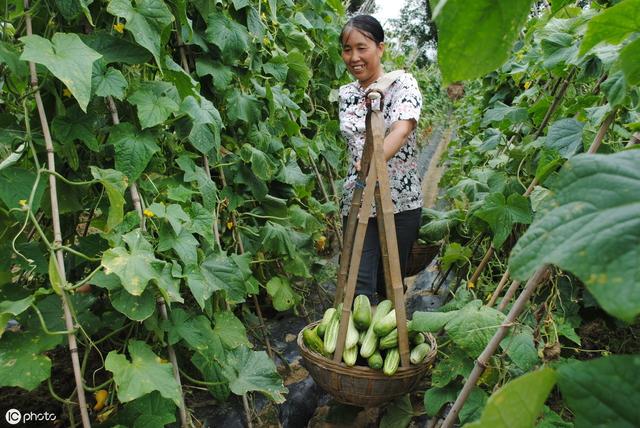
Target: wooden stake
<point>492,346</point>
<point>137,203</point>
<point>57,232</point>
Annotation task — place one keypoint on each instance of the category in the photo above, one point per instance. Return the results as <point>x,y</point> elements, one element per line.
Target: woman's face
<point>362,56</point>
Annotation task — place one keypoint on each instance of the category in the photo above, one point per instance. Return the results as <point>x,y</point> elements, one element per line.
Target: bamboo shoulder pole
<point>387,229</point>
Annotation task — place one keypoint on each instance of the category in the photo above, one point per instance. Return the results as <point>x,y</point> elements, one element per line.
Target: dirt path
<point>434,172</point>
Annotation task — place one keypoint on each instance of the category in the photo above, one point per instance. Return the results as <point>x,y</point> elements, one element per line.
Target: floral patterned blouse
<point>402,101</point>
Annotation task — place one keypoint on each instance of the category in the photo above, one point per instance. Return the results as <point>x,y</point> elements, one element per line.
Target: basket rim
<point>365,371</point>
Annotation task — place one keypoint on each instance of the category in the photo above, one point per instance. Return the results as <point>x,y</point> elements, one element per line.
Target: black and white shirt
<point>402,101</point>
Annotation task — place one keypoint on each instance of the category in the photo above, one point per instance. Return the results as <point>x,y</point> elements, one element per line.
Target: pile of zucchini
<point>370,336</point>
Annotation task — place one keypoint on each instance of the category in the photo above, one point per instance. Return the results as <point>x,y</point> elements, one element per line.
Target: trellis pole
<point>57,232</point>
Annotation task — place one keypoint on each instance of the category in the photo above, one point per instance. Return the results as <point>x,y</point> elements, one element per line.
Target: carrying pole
<point>374,166</point>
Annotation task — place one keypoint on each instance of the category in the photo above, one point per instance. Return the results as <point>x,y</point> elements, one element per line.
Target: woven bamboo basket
<point>420,256</point>
<point>363,386</point>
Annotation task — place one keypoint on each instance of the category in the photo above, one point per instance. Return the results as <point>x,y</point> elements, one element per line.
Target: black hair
<point>367,25</point>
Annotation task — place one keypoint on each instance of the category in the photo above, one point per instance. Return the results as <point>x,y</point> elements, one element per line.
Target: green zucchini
<point>375,361</point>
<point>326,319</point>
<point>370,341</point>
<point>352,334</point>
<point>350,355</point>
<point>419,353</point>
<point>361,336</point>
<point>362,312</point>
<point>331,335</point>
<point>389,341</point>
<point>391,362</point>
<point>312,340</point>
<point>383,326</point>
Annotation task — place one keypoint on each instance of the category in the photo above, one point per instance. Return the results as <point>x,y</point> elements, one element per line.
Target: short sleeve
<point>406,102</point>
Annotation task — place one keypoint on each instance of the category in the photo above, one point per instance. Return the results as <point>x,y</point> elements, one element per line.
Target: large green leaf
<point>220,73</point>
<point>502,111</point>
<point>399,413</point>
<point>473,327</point>
<point>261,165</point>
<point>137,308</point>
<point>108,82</point>
<point>435,398</point>
<point>518,403</point>
<point>282,294</point>
<point>196,331</point>
<point>299,72</point>
<point>565,136</point>
<point>10,308</point>
<point>615,87</point>
<point>604,392</point>
<point>502,213</point>
<point>222,272</point>
<point>115,49</point>
<point>21,361</point>
<point>448,369</point>
<point>248,370</point>
<point>146,372</point>
<point>230,330</point>
<point>245,108</point>
<point>612,25</point>
<point>590,225</point>
<point>230,36</point>
<point>115,183</point>
<point>146,21</point>
<point>205,131</point>
<point>76,126</point>
<point>133,149</point>
<point>476,37</point>
<point>156,101</point>
<point>68,58</point>
<point>629,62</point>
<point>276,238</point>
<point>16,184</point>
<point>135,266</point>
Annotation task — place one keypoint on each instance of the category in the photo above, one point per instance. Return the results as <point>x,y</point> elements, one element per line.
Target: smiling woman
<point>362,40</point>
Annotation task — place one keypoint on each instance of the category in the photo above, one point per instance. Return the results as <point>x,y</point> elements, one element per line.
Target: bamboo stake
<point>492,346</point>
<point>326,198</point>
<point>205,158</point>
<point>561,91</point>
<point>137,203</point>
<point>595,145</point>
<point>247,410</point>
<point>57,232</point>
<point>556,102</point>
<point>482,265</point>
<point>263,327</point>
